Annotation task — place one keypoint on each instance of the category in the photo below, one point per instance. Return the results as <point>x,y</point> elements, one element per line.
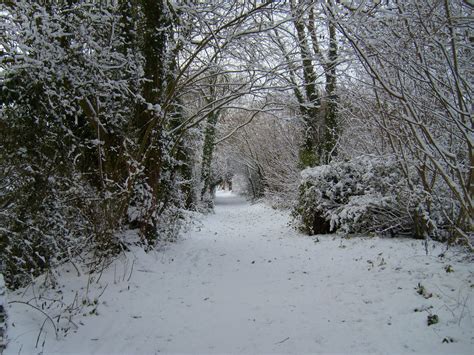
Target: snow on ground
<point>244,282</point>
<point>3,320</point>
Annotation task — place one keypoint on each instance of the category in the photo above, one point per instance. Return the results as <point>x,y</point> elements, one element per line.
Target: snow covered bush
<point>364,195</point>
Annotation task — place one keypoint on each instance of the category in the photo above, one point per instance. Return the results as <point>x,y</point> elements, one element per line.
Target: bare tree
<point>418,56</point>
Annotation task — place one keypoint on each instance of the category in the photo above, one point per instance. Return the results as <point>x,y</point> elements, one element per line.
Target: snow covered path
<point>245,282</point>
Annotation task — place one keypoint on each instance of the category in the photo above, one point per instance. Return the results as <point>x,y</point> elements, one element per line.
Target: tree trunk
<point>331,124</point>
<point>207,154</point>
<point>149,122</point>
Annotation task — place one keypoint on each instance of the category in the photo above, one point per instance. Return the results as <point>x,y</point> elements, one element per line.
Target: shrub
<point>366,195</point>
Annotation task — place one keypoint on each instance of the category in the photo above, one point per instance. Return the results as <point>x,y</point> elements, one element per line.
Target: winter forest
<point>236,176</point>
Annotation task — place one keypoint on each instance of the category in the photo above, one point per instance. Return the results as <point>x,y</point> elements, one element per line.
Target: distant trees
<point>264,151</point>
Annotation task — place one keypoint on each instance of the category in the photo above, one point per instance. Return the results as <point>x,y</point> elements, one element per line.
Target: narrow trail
<point>243,281</point>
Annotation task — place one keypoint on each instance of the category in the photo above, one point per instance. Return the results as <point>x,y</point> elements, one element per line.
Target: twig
<point>100,295</point>
<point>39,310</point>
<point>72,307</point>
<point>88,284</point>
<point>131,270</point>
<point>461,315</point>
<point>73,323</point>
<point>125,265</point>
<point>75,267</point>
<point>39,334</point>
<point>101,272</point>
<point>27,287</point>
<point>287,338</point>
